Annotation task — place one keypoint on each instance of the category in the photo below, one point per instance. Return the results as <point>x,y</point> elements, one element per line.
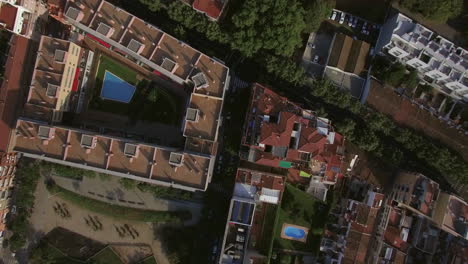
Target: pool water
<point>116,89</point>
<point>294,232</point>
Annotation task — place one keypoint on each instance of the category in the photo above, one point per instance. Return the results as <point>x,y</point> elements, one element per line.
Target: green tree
<point>437,10</point>
<point>153,5</point>
<point>412,80</point>
<point>274,25</point>
<point>127,184</point>
<point>316,12</point>
<point>395,74</point>
<point>284,69</point>
<point>346,127</point>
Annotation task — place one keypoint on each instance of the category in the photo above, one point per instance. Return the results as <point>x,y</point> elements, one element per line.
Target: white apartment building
<point>438,61</point>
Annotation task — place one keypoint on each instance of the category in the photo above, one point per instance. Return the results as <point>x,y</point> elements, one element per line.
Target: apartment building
<point>438,61</point>
<point>53,82</point>
<point>15,18</point>
<point>279,133</point>
<point>416,192</point>
<point>451,215</point>
<point>256,195</point>
<point>61,75</point>
<point>420,223</point>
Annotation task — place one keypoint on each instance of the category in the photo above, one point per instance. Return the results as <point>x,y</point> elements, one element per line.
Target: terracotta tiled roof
<point>8,15</point>
<point>10,90</point>
<point>392,237</point>
<point>211,8</point>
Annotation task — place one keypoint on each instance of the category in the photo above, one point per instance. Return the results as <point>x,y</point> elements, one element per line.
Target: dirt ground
<point>385,100</point>
<point>44,219</point>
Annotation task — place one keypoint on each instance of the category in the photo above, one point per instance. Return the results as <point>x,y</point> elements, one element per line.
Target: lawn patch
<point>300,208</point>
<point>115,211</point>
<point>150,102</point>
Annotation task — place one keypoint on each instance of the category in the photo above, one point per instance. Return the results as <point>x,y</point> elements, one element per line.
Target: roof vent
<point>44,132</point>
<point>192,115</point>
<point>74,14</point>
<point>104,29</point>
<point>59,56</point>
<point>176,159</point>
<point>199,80</point>
<point>51,90</point>
<point>169,65</point>
<point>88,141</point>
<point>135,46</point>
<point>131,150</point>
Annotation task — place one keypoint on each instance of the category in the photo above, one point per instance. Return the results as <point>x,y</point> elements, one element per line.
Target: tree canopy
<point>274,25</point>
<point>437,10</point>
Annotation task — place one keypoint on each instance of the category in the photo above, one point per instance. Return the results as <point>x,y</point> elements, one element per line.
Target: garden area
<point>115,211</point>
<point>150,102</point>
<point>300,208</point>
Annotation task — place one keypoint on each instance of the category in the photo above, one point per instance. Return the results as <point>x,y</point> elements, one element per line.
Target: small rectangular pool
<point>294,232</point>
<point>116,89</point>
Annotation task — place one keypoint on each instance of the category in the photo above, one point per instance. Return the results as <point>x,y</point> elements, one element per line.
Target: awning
<point>304,174</point>
<point>285,164</point>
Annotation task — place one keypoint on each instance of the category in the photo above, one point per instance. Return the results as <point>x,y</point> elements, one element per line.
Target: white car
<point>342,18</point>
<point>333,15</point>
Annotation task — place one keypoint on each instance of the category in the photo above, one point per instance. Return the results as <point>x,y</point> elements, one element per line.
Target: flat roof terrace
<point>110,21</point>
<point>182,54</point>
<point>52,54</point>
<point>44,88</point>
<point>139,164</point>
<point>145,34</point>
<point>37,112</point>
<point>95,156</point>
<point>215,74</point>
<point>192,171</point>
<point>206,122</point>
<point>85,8</point>
<point>28,140</point>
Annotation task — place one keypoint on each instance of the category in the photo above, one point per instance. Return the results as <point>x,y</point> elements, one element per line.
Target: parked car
<point>342,18</point>
<point>350,21</point>
<point>333,15</point>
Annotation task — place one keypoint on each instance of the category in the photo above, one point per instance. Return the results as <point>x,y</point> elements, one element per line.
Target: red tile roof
<point>392,237</point>
<point>211,8</point>
<point>267,180</point>
<point>8,15</point>
<point>10,89</point>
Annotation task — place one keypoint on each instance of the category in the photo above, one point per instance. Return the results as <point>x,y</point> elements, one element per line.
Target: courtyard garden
<point>300,208</point>
<point>148,102</point>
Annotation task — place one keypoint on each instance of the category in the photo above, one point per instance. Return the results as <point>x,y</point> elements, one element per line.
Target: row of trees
<point>255,25</point>
<point>127,213</point>
<point>27,175</point>
<point>437,10</point>
<point>379,135</point>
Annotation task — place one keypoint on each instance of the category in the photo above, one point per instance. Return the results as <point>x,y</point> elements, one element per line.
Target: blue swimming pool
<point>116,89</point>
<point>294,232</point>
